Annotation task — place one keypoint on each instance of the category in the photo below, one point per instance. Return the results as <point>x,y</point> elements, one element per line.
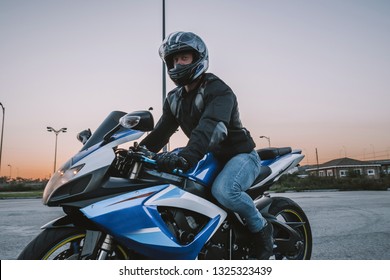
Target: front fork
<point>91,246</point>
<point>106,247</point>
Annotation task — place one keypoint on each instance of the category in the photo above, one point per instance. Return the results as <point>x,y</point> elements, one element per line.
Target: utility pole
<point>164,85</point>
<point>2,134</point>
<point>318,165</point>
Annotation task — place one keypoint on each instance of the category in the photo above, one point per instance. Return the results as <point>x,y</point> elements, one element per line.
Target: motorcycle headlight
<point>60,178</point>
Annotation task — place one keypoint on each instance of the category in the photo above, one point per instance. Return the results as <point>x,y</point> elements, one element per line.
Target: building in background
<point>343,167</point>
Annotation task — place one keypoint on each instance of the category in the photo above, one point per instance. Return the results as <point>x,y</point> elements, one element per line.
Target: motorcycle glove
<point>167,162</point>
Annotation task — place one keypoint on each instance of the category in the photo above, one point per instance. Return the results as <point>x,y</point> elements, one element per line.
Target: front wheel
<point>290,213</point>
<point>61,244</point>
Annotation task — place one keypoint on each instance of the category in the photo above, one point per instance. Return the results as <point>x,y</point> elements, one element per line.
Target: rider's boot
<point>263,242</point>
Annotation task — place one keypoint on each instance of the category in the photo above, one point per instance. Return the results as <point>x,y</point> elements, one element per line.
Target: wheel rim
<point>291,217</point>
<point>70,248</point>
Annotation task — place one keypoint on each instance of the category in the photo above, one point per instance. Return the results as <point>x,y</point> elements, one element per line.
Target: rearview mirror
<point>139,120</point>
<point>84,135</point>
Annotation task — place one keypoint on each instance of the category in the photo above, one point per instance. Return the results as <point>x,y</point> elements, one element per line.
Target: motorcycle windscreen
<point>107,125</point>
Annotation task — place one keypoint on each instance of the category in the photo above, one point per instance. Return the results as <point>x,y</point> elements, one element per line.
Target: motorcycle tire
<point>287,211</point>
<point>61,244</point>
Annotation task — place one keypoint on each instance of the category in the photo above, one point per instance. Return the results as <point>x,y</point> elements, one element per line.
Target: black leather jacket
<point>208,116</point>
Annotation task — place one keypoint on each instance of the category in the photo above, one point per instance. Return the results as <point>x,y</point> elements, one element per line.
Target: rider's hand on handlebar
<point>167,162</point>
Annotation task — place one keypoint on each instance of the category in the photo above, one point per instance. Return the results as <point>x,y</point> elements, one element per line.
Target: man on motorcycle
<point>206,110</point>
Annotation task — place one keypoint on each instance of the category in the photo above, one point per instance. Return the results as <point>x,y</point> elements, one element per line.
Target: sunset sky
<point>308,74</point>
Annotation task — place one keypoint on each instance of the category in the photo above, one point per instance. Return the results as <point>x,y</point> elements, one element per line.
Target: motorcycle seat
<point>272,153</point>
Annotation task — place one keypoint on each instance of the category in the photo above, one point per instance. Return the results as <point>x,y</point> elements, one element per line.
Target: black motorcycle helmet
<point>178,42</point>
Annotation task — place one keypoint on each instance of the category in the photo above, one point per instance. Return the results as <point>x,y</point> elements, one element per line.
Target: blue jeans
<point>231,183</point>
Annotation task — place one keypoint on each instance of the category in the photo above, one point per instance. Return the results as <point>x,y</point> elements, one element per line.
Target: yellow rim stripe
<point>304,228</point>
<point>70,239</point>
<point>55,248</point>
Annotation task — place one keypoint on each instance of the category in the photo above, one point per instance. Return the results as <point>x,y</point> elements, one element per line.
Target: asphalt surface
<point>345,225</point>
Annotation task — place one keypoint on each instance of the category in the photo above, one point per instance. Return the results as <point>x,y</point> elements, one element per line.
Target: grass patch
<point>293,183</point>
<point>22,190</point>
<point>29,194</point>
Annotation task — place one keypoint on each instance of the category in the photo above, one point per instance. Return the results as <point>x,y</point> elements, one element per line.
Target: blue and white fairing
<point>144,230</point>
<point>133,219</point>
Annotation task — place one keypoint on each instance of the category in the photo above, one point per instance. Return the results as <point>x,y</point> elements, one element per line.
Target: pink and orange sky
<point>308,74</point>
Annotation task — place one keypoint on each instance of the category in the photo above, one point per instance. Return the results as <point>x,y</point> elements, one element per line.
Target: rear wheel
<point>290,213</point>
<point>61,244</point>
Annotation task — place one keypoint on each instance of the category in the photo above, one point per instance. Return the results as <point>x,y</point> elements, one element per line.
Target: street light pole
<point>268,138</point>
<point>164,83</point>
<point>2,134</point>
<point>50,129</point>
<point>164,86</point>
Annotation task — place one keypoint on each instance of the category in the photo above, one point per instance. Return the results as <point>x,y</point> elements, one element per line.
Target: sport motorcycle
<point>118,205</point>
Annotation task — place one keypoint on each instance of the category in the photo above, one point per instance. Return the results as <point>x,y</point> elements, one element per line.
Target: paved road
<point>348,225</point>
<point>345,225</point>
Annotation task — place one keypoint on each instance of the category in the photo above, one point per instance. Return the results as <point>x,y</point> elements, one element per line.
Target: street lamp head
<point>50,129</point>
<point>268,138</point>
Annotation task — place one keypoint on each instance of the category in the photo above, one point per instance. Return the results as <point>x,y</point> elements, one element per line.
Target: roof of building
<point>343,162</point>
<point>382,161</point>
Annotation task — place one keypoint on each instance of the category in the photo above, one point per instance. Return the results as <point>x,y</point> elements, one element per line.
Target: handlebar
<point>148,160</point>
<point>154,162</point>
<point>137,154</point>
